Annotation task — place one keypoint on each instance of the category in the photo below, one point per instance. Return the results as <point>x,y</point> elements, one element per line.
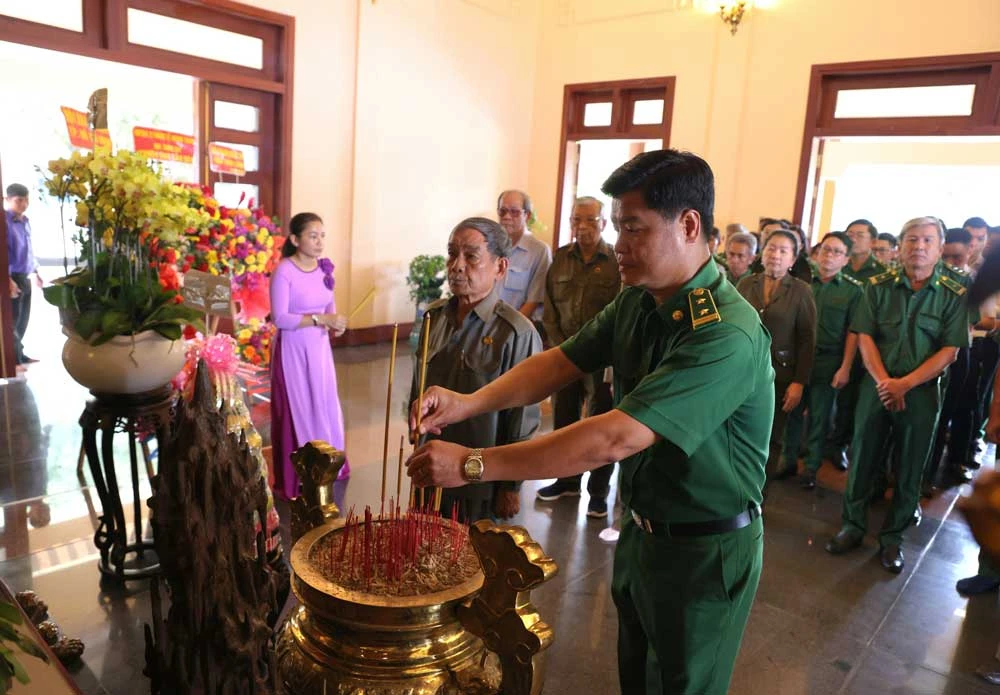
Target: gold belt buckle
<point>641,523</point>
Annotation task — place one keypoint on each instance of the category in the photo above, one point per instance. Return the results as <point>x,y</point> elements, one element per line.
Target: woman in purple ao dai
<point>304,402</point>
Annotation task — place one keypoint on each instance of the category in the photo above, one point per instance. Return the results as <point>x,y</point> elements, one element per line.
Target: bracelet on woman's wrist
<point>314,319</point>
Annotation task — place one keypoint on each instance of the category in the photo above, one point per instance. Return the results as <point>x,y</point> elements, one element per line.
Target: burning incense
<point>388,407</point>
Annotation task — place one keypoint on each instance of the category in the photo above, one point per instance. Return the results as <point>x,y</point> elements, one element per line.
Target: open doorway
<point>953,178</point>
<point>604,125</point>
<point>35,132</point>
<point>594,160</point>
<point>895,139</point>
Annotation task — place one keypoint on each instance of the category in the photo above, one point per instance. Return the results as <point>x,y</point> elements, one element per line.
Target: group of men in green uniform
<point>693,407</point>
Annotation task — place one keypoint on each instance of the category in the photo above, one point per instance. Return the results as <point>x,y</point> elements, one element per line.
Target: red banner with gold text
<point>162,145</point>
<point>225,160</point>
<point>80,134</point>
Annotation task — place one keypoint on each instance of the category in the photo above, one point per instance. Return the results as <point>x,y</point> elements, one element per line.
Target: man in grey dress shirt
<point>523,287</point>
<point>475,337</point>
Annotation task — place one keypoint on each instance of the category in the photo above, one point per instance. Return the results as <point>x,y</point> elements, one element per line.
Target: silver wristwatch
<point>472,469</point>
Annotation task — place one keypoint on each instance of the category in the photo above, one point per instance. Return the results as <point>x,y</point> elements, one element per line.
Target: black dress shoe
<point>807,481</point>
<point>846,540</point>
<point>840,461</point>
<point>892,558</point>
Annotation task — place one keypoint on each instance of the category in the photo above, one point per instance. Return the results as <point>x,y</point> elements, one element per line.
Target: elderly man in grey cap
<point>21,264</point>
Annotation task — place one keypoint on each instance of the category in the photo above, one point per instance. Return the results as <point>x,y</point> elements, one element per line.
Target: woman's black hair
<point>788,234</point>
<point>296,226</point>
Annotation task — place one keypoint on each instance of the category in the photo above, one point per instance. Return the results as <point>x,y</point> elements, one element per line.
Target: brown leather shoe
<point>847,539</point>
<point>892,558</point>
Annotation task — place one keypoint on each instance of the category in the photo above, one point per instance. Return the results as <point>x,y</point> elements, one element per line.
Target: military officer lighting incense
<point>388,406</point>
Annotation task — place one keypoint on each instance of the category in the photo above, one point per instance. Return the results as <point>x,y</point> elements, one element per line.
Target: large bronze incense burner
<point>480,636</point>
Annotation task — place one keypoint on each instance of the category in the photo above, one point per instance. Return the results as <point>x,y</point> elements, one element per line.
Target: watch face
<point>473,468</point>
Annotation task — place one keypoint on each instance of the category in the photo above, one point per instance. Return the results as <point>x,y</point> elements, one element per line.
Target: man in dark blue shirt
<point>21,262</point>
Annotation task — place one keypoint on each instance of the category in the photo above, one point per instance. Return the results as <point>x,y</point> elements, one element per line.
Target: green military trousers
<point>911,432</point>
<point>683,604</point>
<point>819,399</point>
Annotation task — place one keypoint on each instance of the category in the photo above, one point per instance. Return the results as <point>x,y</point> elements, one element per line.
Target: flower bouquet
<point>239,242</point>
<point>131,222</point>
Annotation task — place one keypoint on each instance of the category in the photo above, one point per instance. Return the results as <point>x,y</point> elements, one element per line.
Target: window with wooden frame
<point>241,55</point>
<point>632,111</point>
<point>940,95</point>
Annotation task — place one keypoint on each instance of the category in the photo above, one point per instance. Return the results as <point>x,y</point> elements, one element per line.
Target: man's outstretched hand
<point>437,464</point>
<point>441,408</point>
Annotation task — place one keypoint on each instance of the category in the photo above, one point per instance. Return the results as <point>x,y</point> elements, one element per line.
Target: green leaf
<point>59,295</point>
<point>29,647</point>
<point>7,632</point>
<point>170,331</point>
<point>116,322</point>
<point>88,323</point>
<point>10,613</point>
<point>19,671</point>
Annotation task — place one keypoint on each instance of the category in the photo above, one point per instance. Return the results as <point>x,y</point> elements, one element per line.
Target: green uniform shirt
<point>870,269</point>
<point>697,371</point>
<point>575,290</point>
<point>909,326</point>
<point>836,302</point>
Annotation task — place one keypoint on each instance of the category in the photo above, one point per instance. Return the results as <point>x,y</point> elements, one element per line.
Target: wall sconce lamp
<point>732,13</point>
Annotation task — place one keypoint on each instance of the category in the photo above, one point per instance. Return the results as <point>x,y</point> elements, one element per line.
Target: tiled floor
<point>820,624</point>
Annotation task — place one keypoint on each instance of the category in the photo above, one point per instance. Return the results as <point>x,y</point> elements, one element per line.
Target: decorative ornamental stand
<point>110,414</point>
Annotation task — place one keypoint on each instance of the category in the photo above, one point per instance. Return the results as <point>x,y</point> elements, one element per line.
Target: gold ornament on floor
<point>481,636</point>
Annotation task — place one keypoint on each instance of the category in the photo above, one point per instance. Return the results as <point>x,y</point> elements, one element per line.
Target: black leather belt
<point>699,528</point>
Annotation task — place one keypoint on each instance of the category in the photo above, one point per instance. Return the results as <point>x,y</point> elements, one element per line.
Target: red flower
<point>189,332</point>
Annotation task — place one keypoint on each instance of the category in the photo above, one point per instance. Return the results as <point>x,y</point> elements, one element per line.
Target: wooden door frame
<point>619,92</point>
<point>981,68</point>
<point>105,36</point>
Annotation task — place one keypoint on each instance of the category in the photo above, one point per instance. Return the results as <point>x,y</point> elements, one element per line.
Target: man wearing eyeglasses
<point>583,280</point>
<point>836,295</point>
<point>524,285</point>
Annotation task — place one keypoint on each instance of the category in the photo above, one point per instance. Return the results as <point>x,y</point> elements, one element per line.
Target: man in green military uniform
<point>863,266</point>
<point>694,392</point>
<point>910,326</point>
<point>836,296</point>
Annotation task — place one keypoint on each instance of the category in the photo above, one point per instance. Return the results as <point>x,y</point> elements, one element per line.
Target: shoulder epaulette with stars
<point>703,309</point>
<point>853,281</point>
<point>955,270</point>
<point>883,277</point>
<point>952,284</point>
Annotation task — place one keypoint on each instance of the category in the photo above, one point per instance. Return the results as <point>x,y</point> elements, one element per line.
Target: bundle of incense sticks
<point>385,547</point>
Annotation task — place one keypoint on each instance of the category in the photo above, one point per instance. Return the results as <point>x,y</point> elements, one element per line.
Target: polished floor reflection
<point>820,624</point>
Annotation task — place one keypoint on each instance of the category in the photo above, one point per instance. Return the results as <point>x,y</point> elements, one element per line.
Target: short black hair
<point>715,234</point>
<point>891,238</point>
<point>841,237</point>
<point>17,190</point>
<point>670,181</point>
<point>871,228</point>
<point>765,221</point>
<point>958,235</point>
<point>974,222</point>
<point>993,230</point>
